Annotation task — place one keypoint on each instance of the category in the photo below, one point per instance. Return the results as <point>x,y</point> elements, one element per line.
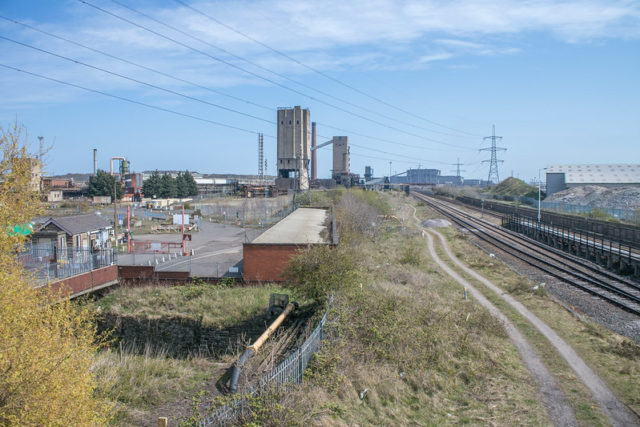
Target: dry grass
<point>425,355</point>
<point>217,305</point>
<point>615,358</point>
<point>139,383</point>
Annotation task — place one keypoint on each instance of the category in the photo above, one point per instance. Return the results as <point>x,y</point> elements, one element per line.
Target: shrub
<point>318,271</point>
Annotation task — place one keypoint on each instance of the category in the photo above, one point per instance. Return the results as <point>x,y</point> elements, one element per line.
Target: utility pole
<point>458,170</point>
<point>115,212</point>
<point>493,162</point>
<point>260,156</point>
<point>390,174</point>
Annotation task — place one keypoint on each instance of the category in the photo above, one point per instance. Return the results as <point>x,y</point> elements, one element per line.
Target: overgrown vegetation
<point>515,187</point>
<point>46,347</point>
<point>220,305</point>
<point>403,347</point>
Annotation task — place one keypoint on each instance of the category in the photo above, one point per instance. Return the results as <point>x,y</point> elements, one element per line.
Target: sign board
<point>177,219</point>
<point>233,269</point>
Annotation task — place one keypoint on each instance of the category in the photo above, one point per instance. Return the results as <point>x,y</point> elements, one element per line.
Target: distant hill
<point>514,187</point>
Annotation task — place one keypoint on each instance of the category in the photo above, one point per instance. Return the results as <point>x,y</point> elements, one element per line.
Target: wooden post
<point>163,422</point>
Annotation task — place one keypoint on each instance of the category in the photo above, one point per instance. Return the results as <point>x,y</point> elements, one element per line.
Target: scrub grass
<point>217,305</point>
<point>614,357</point>
<point>403,347</point>
<point>140,383</point>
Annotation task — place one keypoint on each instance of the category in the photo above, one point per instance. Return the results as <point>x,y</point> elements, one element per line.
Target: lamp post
<point>539,184</point>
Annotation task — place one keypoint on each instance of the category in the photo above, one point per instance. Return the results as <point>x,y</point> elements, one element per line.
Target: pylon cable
<point>262,77</point>
<point>320,72</point>
<point>133,101</point>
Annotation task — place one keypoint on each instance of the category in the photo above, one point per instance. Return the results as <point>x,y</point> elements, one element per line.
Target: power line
<point>283,76</point>
<point>178,93</point>
<point>126,61</point>
<point>493,161</point>
<point>318,71</point>
<point>122,76</point>
<point>251,72</point>
<point>133,101</point>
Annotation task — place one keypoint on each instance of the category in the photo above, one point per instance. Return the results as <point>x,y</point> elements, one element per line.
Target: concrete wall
<point>266,263</point>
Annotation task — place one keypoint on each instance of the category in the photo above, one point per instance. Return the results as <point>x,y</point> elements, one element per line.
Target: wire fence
<point>291,370</point>
<point>48,263</point>
<point>632,215</point>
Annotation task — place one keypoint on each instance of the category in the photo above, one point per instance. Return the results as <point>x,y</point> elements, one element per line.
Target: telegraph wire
<point>283,76</point>
<point>167,110</point>
<point>133,101</point>
<point>151,85</point>
<point>188,96</point>
<point>387,140</point>
<point>264,78</point>
<point>126,61</point>
<point>315,70</point>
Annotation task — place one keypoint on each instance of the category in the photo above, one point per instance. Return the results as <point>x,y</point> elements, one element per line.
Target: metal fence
<point>291,370</point>
<point>623,214</point>
<point>48,263</point>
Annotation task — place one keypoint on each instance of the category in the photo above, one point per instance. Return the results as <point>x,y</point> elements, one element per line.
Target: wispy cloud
<point>331,35</point>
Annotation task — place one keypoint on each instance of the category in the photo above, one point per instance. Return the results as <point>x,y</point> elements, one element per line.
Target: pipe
<point>314,159</point>
<point>253,348</point>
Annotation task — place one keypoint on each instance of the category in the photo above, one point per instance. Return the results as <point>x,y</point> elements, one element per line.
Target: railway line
<point>618,291</point>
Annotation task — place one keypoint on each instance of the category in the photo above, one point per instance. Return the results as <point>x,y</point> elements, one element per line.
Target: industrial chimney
<point>95,161</point>
<point>314,159</point>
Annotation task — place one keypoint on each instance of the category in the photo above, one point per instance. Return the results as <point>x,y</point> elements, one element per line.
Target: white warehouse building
<point>561,177</point>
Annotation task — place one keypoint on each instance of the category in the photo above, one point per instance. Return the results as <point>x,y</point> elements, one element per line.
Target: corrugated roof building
<point>561,177</point>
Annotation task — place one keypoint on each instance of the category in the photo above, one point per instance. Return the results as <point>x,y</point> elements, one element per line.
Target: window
<point>289,121</point>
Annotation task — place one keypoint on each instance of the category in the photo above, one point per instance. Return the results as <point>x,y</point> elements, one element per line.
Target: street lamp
<point>539,184</point>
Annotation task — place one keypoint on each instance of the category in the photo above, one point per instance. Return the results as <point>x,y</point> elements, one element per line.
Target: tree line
<point>165,186</point>
<point>156,186</point>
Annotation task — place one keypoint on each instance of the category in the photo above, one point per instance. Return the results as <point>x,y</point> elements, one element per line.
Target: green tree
<point>47,348</point>
<point>102,184</point>
<point>152,186</point>
<point>168,187</point>
<point>181,186</point>
<point>190,184</point>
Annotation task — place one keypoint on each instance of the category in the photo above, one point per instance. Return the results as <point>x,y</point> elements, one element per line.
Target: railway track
<point>618,291</point>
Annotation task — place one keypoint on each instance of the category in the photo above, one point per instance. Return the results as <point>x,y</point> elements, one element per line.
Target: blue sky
<point>418,83</point>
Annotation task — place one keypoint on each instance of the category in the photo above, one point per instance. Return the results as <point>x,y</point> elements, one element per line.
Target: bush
<point>319,271</point>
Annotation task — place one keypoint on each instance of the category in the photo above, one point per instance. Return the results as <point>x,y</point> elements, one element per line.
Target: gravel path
<point>609,403</point>
<point>560,411</point>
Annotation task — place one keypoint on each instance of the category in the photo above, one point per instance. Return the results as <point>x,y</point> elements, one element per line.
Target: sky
<point>186,84</point>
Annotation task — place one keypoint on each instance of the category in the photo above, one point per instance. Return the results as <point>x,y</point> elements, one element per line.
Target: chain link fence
<point>291,370</point>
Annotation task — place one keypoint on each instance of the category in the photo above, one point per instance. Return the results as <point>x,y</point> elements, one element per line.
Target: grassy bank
<point>154,382</point>
<point>403,346</point>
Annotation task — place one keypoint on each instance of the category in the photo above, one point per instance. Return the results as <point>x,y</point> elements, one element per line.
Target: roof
<point>598,174</point>
<point>303,226</point>
<point>78,224</point>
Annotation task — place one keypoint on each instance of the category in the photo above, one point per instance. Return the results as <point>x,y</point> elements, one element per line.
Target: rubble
<point>599,197</point>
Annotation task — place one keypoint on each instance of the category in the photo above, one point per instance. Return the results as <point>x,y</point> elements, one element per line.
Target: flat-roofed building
<point>265,258</point>
<point>561,177</point>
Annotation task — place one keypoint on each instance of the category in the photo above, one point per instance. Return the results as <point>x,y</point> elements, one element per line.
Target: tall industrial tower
<point>261,156</point>
<point>458,170</point>
<point>294,148</point>
<point>493,162</point>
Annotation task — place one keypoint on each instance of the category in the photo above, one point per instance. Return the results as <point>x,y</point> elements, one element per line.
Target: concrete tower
<point>294,148</point>
<point>340,156</point>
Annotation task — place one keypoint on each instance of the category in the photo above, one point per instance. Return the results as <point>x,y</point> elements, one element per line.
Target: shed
<point>88,231</point>
<point>266,257</point>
